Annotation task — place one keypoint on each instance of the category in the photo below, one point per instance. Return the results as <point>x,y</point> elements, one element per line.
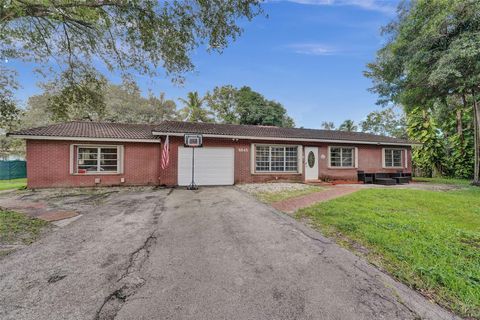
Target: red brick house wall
<point>48,163</point>
<point>370,159</point>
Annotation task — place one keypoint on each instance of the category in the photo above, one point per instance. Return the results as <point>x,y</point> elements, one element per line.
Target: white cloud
<point>385,6</point>
<point>314,49</point>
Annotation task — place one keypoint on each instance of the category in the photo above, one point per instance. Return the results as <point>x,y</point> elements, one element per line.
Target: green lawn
<point>428,239</point>
<point>461,182</point>
<point>13,184</point>
<point>270,197</point>
<point>17,228</point>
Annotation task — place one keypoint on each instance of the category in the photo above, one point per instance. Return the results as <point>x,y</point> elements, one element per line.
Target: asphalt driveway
<point>215,253</point>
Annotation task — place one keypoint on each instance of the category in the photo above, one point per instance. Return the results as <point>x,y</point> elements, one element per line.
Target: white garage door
<point>213,166</point>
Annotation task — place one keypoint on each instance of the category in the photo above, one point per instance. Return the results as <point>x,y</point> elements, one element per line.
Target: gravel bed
<point>272,187</point>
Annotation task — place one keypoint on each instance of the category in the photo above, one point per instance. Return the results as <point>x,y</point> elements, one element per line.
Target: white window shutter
<point>252,158</point>
<point>121,159</point>
<point>406,159</point>
<point>383,158</point>
<point>299,159</point>
<point>72,157</point>
<point>356,157</point>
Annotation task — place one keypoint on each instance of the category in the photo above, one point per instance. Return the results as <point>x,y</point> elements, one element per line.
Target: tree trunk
<point>476,126</point>
<point>459,116</point>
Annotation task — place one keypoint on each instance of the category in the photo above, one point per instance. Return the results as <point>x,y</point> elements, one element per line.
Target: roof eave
<point>70,138</point>
<point>181,134</point>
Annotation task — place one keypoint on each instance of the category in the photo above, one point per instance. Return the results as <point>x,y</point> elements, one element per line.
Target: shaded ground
<point>216,253</point>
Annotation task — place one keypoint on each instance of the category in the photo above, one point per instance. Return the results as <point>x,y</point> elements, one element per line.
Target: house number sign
<point>242,149</point>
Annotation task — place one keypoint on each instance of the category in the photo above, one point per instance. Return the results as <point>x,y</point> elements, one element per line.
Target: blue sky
<point>307,54</point>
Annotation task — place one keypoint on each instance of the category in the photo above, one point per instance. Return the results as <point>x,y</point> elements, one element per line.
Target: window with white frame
<point>97,159</point>
<point>342,157</point>
<point>393,158</point>
<point>276,158</point>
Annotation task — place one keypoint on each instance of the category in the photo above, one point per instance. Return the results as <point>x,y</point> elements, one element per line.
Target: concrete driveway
<point>215,253</point>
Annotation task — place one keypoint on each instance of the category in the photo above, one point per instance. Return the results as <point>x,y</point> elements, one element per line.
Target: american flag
<point>165,153</point>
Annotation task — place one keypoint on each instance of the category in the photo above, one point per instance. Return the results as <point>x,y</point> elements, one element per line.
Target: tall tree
<point>385,122</point>
<point>138,35</point>
<point>122,103</point>
<point>10,114</point>
<point>245,106</point>
<point>432,54</point>
<point>78,98</point>
<point>328,125</point>
<point>253,108</point>
<point>348,125</point>
<point>193,109</point>
<point>222,101</point>
<point>128,36</point>
<point>125,103</point>
<point>429,157</point>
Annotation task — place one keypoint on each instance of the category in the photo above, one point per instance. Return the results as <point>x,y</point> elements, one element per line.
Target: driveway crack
<point>131,279</point>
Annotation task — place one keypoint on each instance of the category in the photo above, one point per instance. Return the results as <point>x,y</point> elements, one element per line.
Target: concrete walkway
<point>293,204</point>
<point>35,209</point>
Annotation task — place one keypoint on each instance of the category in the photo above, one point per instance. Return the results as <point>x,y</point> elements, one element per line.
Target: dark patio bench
<point>365,177</point>
<point>401,180</point>
<point>384,179</point>
<point>401,177</point>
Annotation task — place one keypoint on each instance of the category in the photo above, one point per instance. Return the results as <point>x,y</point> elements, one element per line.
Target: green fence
<point>13,169</point>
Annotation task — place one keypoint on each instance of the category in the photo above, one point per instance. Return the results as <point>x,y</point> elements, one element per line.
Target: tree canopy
<point>129,35</point>
<point>348,125</point>
<point>386,122</point>
<point>245,106</point>
<point>117,103</point>
<point>328,125</point>
<point>193,110</point>
<point>430,63</point>
<point>143,37</point>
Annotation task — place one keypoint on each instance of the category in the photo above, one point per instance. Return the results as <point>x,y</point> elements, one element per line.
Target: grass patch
<point>429,240</point>
<point>270,197</point>
<point>460,182</point>
<point>13,184</point>
<point>16,228</point>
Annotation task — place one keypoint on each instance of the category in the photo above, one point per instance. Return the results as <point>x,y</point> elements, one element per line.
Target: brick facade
<point>48,163</point>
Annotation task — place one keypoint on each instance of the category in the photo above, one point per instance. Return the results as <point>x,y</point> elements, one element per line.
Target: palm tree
<point>348,125</point>
<point>328,125</point>
<point>193,110</point>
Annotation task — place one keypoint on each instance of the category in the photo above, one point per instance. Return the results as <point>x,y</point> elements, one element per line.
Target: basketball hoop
<point>193,141</point>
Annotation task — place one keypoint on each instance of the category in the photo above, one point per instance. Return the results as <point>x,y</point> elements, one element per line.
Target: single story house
<point>83,153</point>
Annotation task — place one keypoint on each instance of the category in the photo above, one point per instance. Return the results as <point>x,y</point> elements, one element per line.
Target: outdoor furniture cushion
<point>385,181</point>
<point>402,179</point>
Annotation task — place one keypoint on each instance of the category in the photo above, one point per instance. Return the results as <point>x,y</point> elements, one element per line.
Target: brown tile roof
<point>272,132</point>
<point>88,129</point>
<point>84,129</point>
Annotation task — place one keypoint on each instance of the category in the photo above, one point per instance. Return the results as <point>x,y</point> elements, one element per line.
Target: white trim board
<point>355,157</point>
<point>74,157</point>
<point>176,134</point>
<point>403,158</point>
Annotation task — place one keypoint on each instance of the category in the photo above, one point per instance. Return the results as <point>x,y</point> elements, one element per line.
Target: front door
<point>311,163</point>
